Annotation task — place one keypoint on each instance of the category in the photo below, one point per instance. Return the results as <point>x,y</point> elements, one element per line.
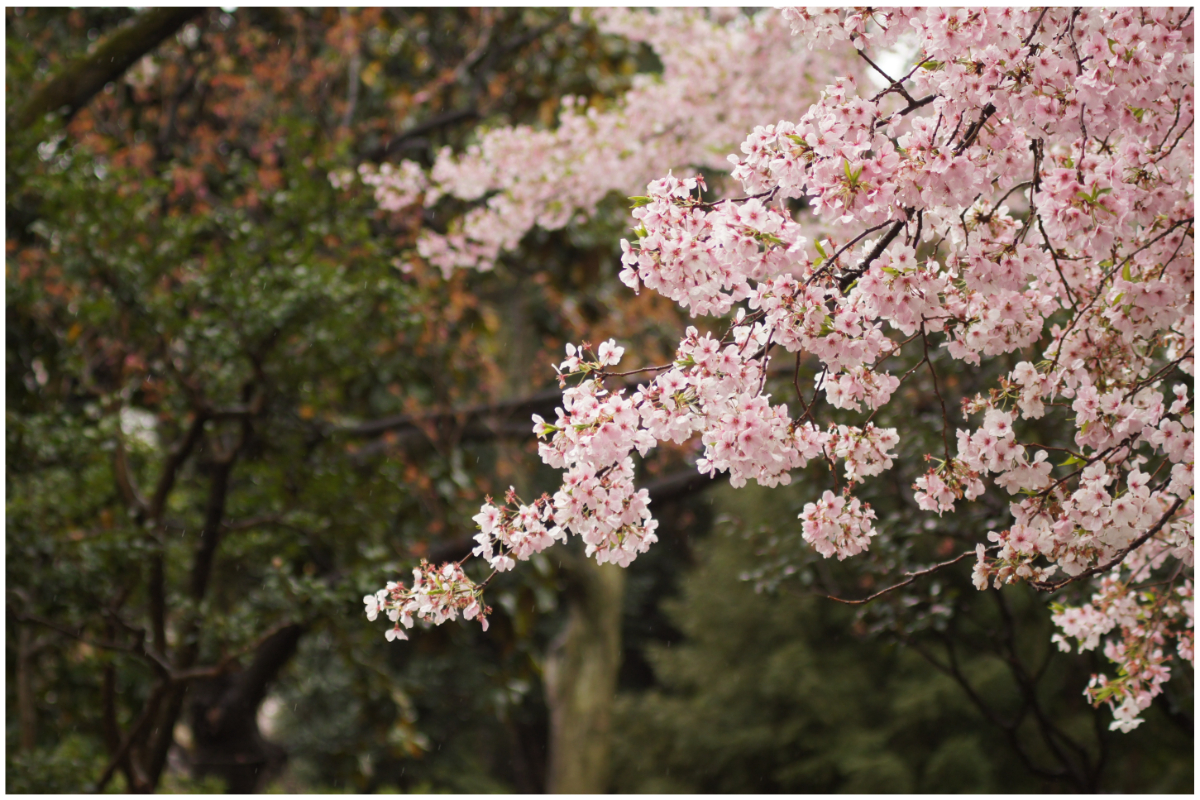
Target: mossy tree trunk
<point>581,677</point>
<point>72,88</point>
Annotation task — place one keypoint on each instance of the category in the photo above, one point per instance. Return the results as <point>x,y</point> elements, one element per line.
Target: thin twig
<point>912,576</point>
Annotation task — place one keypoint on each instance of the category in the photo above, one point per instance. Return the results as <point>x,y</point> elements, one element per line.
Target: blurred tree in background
<point>235,400</point>
<point>220,371</point>
<point>781,691</point>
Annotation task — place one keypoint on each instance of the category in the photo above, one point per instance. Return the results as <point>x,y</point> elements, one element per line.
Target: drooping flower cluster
<point>1024,189</point>
<point>438,593</point>
<point>515,531</point>
<point>1145,619</point>
<point>836,526</point>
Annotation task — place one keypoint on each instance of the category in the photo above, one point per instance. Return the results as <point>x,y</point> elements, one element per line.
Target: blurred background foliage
<point>226,385</point>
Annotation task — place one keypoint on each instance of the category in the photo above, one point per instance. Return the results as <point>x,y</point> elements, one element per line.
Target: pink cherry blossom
<point>1022,194</point>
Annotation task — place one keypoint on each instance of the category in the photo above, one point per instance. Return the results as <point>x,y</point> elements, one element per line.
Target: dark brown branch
<point>210,533</point>
<point>271,653</point>
<point>229,661</point>
<point>913,106</point>
<point>154,752</point>
<point>542,403</point>
<point>476,65</point>
<point>1057,267</point>
<point>938,392</point>
<point>223,714</point>
<point>679,485</point>
<point>479,422</point>
<point>175,459</point>
<point>109,726</point>
<point>833,259</point>
<point>850,277</point>
<point>414,442</point>
<point>154,658</point>
<point>100,644</point>
<point>973,131</point>
<point>953,670</point>
<point>1036,26</point>
<point>80,80</point>
<point>148,711</point>
<point>402,140</point>
<point>157,583</point>
<point>125,484</point>
<point>893,85</point>
<point>1051,733</point>
<point>27,650</point>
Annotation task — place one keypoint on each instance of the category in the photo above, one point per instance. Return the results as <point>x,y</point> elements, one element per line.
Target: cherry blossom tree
<point>1021,194</point>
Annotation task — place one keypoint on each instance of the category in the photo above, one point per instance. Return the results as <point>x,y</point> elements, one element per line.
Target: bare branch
<point>912,576</point>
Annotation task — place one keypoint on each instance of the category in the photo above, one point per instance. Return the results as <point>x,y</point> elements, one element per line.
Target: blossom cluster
<point>720,73</point>
<point>438,593</point>
<point>1024,190</point>
<point>833,525</point>
<point>1146,620</point>
<point>1062,224</point>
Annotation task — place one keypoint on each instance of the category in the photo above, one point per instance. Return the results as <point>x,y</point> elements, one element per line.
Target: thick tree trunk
<point>224,719</point>
<point>26,700</point>
<point>581,678</point>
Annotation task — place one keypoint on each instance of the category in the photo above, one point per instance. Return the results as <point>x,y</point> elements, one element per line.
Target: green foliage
<point>178,249</point>
<point>780,692</point>
<point>768,693</point>
<point>55,770</point>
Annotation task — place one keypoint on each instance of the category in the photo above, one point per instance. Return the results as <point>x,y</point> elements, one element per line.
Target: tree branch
<point>850,277</point>
<point>80,80</point>
<point>175,459</point>
<point>147,713</point>
<point>911,576</point>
